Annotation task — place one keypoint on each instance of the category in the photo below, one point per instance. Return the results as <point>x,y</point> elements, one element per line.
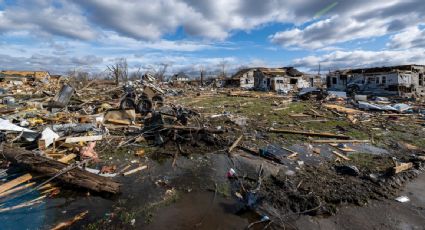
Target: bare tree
<point>161,71</point>
<point>223,67</point>
<point>136,75</point>
<point>119,70</point>
<point>202,73</point>
<point>78,78</point>
<point>158,71</point>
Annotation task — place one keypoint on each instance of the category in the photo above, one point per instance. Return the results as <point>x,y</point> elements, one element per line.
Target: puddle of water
<point>200,210</point>
<point>193,178</point>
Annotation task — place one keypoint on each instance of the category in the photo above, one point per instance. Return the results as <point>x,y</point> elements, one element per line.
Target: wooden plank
<point>340,155</point>
<point>293,155</point>
<point>83,139</point>
<point>345,149</point>
<point>119,122</point>
<point>16,189</point>
<point>23,205</point>
<point>402,167</point>
<point>235,144</point>
<point>66,224</point>
<point>135,170</point>
<point>194,129</point>
<point>340,141</point>
<point>15,182</point>
<point>49,167</point>
<point>342,109</point>
<point>331,135</point>
<point>67,158</point>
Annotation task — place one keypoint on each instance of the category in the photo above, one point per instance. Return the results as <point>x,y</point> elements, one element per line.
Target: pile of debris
<point>53,136</point>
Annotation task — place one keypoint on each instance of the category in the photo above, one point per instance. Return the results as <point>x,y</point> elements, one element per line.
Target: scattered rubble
<point>304,153</point>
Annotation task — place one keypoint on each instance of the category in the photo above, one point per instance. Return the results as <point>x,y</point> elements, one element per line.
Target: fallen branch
<point>49,167</point>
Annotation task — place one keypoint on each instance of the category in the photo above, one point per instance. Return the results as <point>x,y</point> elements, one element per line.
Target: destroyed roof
<point>291,71</point>
<point>381,69</point>
<point>241,72</point>
<point>288,71</point>
<point>180,75</point>
<point>272,71</point>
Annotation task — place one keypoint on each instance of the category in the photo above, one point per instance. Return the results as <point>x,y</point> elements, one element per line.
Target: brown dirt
<point>320,190</point>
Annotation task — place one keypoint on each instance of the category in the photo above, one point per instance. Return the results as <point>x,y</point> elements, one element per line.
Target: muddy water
<point>202,201</point>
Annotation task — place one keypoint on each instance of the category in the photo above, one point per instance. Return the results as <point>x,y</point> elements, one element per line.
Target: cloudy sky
<point>61,35</point>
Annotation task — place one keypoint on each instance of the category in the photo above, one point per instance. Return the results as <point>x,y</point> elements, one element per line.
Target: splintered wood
<point>330,135</point>
<point>400,167</point>
<point>342,109</point>
<point>340,155</point>
<point>15,182</point>
<point>235,144</point>
<point>66,224</point>
<point>135,170</point>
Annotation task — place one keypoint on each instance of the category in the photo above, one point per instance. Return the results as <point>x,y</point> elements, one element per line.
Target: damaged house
<point>244,78</point>
<point>24,76</point>
<point>274,79</point>
<point>404,80</point>
<point>180,77</point>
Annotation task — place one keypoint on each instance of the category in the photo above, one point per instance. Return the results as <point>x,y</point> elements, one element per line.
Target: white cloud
<point>46,17</point>
<point>51,63</point>
<point>361,58</point>
<point>73,30</point>
<point>112,40</point>
<point>412,37</point>
<point>353,20</point>
<point>144,19</point>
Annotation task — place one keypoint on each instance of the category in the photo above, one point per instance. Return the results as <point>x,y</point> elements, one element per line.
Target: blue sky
<point>88,35</point>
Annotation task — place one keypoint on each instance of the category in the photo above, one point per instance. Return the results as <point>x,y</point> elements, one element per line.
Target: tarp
<point>6,125</point>
<point>396,107</point>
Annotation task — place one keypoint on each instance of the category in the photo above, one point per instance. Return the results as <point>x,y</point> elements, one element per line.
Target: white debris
<point>49,136</point>
<point>402,199</point>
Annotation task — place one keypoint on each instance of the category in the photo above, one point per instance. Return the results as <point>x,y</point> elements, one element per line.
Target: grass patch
<point>370,163</point>
<point>223,189</point>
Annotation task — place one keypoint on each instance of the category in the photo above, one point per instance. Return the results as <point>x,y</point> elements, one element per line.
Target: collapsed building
<point>403,80</point>
<point>23,76</point>
<point>274,79</point>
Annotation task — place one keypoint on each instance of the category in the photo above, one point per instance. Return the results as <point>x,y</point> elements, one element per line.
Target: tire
<point>144,107</point>
<point>158,100</point>
<point>127,103</point>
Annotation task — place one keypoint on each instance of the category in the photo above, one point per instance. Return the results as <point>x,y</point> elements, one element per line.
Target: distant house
<point>12,75</point>
<point>244,78</point>
<point>274,79</point>
<point>403,80</point>
<point>180,78</point>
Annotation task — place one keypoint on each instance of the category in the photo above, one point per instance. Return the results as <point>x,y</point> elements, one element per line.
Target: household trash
<point>62,98</point>
<point>402,199</point>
